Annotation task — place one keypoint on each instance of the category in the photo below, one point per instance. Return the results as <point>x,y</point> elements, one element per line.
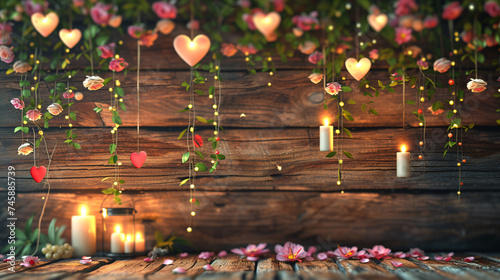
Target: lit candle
<point>326,137</point>
<point>129,244</point>
<point>83,234</point>
<point>403,163</point>
<point>117,240</point>
<point>140,243</point>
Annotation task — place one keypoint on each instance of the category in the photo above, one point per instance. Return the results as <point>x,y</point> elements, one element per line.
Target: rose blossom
<point>32,7</point>
<point>18,103</point>
<point>403,35</point>
<point>228,49</point>
<point>452,10</point>
<point>33,115</point>
<point>476,85</point>
<point>307,48</point>
<point>442,65</point>
<point>193,24</point>
<point>117,64</point>
<point>25,149</point>
<point>21,67</point>
<point>108,50</point>
<point>373,54</point>
<point>93,82</point>
<point>135,31</point>
<point>490,40</point>
<point>333,88</point>
<point>345,252</point>
<point>290,252</point>
<point>148,38</point>
<point>78,3</point>
<point>165,26</point>
<point>315,57</point>
<point>423,64</point>
<point>316,77</point>
<point>115,21</point>
<point>405,7</point>
<point>413,50</point>
<point>247,49</point>
<point>6,54</point>
<point>279,5</point>
<point>307,22</point>
<point>492,8</point>
<point>164,9</point>
<point>431,21</point>
<point>68,94</point>
<point>100,13</point>
<point>5,30</point>
<point>243,3</point>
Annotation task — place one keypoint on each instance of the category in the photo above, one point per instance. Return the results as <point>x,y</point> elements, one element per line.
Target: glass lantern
<point>121,237</point>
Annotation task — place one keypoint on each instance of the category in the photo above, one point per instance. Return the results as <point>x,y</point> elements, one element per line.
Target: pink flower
<point>222,254</point>
<point>307,47</point>
<point>164,9</point>
<point>490,40</point>
<point>247,49</point>
<point>18,103</point>
<point>373,54</point>
<point>228,49</point>
<point>423,258</point>
<point>309,254</point>
<point>179,270</point>
<point>492,8</point>
<point>290,252</point>
<point>442,65</point>
<point>400,255</point>
<point>100,13</point>
<point>431,21</point>
<point>379,252</point>
<point>108,50</point>
<point>5,30</point>
<point>446,258</point>
<point>405,7</point>
<point>345,252</point>
<point>252,252</point>
<point>243,3</point>
<point>208,267</point>
<point>148,259</point>
<point>363,256</point>
<point>467,36</point>
<point>435,113</point>
<point>32,7</point>
<point>135,31</point>
<point>68,94</point>
<point>452,10</point>
<point>115,21</point>
<point>396,263</point>
<point>416,252</point>
<point>21,66</point>
<point>33,115</point>
<point>117,64</point>
<point>165,26</point>
<point>183,255</point>
<point>29,261</point>
<point>279,5</point>
<point>316,77</point>
<point>315,57</point>
<point>322,256</point>
<point>248,18</point>
<point>148,38</point>
<point>86,260</point>
<point>194,24</point>
<point>307,22</point>
<point>78,3</point>
<point>476,85</point>
<point>403,35</point>
<point>205,255</point>
<point>334,89</point>
<point>6,54</point>
<point>423,64</point>
<point>468,259</point>
<point>168,262</point>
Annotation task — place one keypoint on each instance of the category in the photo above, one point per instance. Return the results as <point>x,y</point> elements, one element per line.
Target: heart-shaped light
<point>138,159</point>
<point>70,37</point>
<point>266,23</point>
<point>45,24</point>
<point>193,51</point>
<point>358,69</point>
<point>378,22</point>
<point>38,173</point>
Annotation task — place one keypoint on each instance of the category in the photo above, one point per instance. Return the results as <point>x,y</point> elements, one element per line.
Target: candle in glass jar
<point>117,241</point>
<point>403,163</point>
<point>326,137</point>
<point>140,243</point>
<point>83,234</point>
<point>129,244</point>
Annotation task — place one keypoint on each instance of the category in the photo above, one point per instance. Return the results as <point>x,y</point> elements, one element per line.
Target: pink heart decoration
<point>267,23</point>
<point>70,37</point>
<point>193,51</point>
<point>138,159</point>
<point>378,22</point>
<point>38,173</point>
<point>45,24</point>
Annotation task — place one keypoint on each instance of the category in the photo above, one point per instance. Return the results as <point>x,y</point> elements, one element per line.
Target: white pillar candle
<point>129,244</point>
<point>326,137</point>
<point>140,243</point>
<point>403,163</point>
<point>117,241</point>
<point>83,234</point>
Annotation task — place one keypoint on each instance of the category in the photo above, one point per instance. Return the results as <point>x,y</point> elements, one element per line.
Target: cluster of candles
<point>124,243</point>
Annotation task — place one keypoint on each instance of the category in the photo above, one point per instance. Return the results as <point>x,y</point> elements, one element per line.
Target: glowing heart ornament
<point>70,37</point>
<point>38,173</point>
<point>378,21</point>
<point>192,51</point>
<point>138,159</point>
<point>45,25</point>
<point>358,69</point>
<point>267,23</point>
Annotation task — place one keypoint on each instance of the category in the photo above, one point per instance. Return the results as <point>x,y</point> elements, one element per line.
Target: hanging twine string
<point>138,91</point>
<point>404,97</point>
<point>91,51</point>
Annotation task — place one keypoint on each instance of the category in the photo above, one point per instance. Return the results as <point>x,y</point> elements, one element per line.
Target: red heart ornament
<point>38,173</point>
<point>138,159</point>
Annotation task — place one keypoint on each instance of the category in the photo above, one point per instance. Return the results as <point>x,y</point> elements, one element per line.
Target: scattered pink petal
<point>468,259</point>
<point>148,259</point>
<point>222,254</point>
<point>29,261</point>
<point>86,258</point>
<point>423,258</point>
<point>208,267</point>
<point>85,261</point>
<point>179,270</point>
<point>365,260</point>
<point>183,255</point>
<point>322,256</point>
<point>168,262</point>
<point>205,255</point>
<point>447,259</point>
<point>253,259</point>
<point>400,255</point>
<point>397,264</point>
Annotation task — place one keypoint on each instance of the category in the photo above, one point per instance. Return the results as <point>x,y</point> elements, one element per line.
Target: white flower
<point>93,82</point>
<point>316,77</point>
<point>476,85</point>
<point>25,149</point>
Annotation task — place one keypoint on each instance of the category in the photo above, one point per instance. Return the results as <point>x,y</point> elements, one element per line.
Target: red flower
<point>379,252</point>
<point>315,57</point>
<point>107,51</point>
<point>405,7</point>
<point>198,141</point>
<point>32,7</point>
<point>307,22</point>
<point>492,8</point>
<point>164,9</point>
<point>228,49</point>
<point>135,31</point>
<point>247,49</point>
<point>148,38</point>
<point>100,13</point>
<point>452,10</point>
<point>117,64</point>
<point>279,5</point>
<point>431,21</point>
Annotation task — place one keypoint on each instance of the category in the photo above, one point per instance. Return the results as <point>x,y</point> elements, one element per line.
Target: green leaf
<point>9,71</point>
<point>26,93</point>
<point>112,160</point>
<point>183,182</point>
<point>373,111</point>
<point>199,92</point>
<point>498,121</point>
<point>97,109</point>
<point>182,134</point>
<point>116,119</point>
<point>119,91</point>
<point>27,226</point>
<point>107,80</point>
<point>411,102</point>
<point>122,106</point>
<point>199,154</point>
<point>108,191</point>
<point>351,101</point>
<point>331,154</point>
<point>211,90</point>
<point>201,166</point>
<point>185,157</point>
<point>221,157</point>
<point>52,231</point>
<point>76,146</point>
<point>347,132</point>
<point>112,148</point>
<point>380,84</point>
<point>347,154</point>
<point>51,78</point>
<point>72,115</point>
<point>201,119</point>
<point>346,89</point>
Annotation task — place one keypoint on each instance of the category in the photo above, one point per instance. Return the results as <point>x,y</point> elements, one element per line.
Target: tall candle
<point>129,244</point>
<point>140,243</point>
<point>326,137</point>
<point>83,234</point>
<point>403,163</point>
<point>117,241</point>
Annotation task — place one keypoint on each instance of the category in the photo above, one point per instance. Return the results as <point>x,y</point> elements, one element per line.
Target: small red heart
<point>138,159</point>
<point>38,173</point>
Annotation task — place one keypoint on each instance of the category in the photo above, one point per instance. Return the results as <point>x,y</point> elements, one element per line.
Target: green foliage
<point>175,243</point>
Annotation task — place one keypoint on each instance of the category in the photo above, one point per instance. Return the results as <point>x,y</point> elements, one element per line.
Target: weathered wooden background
<point>248,199</point>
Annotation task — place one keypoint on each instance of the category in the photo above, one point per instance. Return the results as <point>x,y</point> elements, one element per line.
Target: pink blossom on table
<point>100,13</point>
<point>290,252</point>
<point>423,258</point>
<point>148,38</point>
<point>31,7</point>
<point>208,267</point>
<point>396,263</point>
<point>469,259</point>
<point>193,24</point>
<point>86,260</point>
<point>363,256</point>
<point>108,50</point>
<point>148,259</point>
<point>309,253</point>
<point>117,64</point>
<point>442,65</point>
<point>316,77</point>
<point>333,89</point>
<point>183,255</point>
<point>403,35</point>
<point>446,258</point>
<point>29,261</point>
<point>247,49</point>
<point>315,57</point>
<point>79,3</point>
<point>205,255</point>
<point>21,67</point>
<point>405,7</point>
<point>374,54</point>
<point>252,252</point>
<point>168,262</point>
<point>68,94</point>
<point>164,10</point>
<point>243,3</point>
<point>435,113</point>
<point>307,47</point>
<point>279,5</point>
<point>345,252</point>
<point>400,255</point>
<point>492,8</point>
<point>179,270</point>
<point>423,64</point>
<point>379,252</point>
<point>222,254</point>
<point>135,31</point>
<point>228,49</point>
<point>6,54</point>
<point>452,10</point>
<point>322,256</point>
<point>307,22</point>
<point>17,103</point>
<point>416,252</point>
<point>34,115</point>
<point>431,21</point>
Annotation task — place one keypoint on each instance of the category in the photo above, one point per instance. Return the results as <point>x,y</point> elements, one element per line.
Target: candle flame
<point>83,211</point>
<point>104,212</point>
<point>326,122</point>
<point>138,236</point>
<point>129,238</point>
<point>403,148</point>
<point>118,229</point>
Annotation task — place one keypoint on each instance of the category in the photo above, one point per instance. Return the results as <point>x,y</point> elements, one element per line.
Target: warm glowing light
<point>44,20</point>
<point>403,148</point>
<point>358,64</point>
<point>326,122</point>
<point>118,229</point>
<point>83,211</point>
<point>192,44</point>
<point>138,237</point>
<point>104,212</point>
<point>129,238</point>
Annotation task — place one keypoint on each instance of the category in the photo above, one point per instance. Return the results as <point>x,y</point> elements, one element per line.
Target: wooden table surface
<point>485,266</point>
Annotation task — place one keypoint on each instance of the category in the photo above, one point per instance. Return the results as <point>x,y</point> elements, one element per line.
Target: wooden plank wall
<point>248,199</point>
